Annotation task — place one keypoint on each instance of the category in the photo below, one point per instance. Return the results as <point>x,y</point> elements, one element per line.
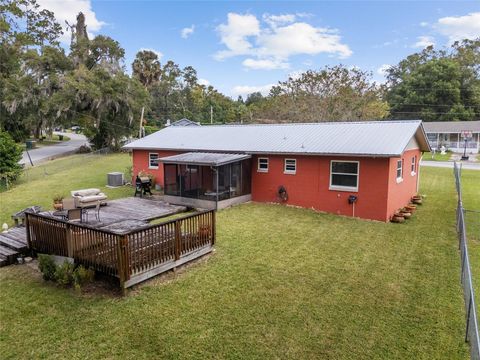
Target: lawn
<point>39,184</point>
<point>282,283</point>
<point>437,156</point>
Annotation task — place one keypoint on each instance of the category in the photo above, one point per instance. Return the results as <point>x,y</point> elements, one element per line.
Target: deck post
<point>214,232</point>
<point>68,238</point>
<point>178,239</point>
<point>122,263</point>
<point>27,228</point>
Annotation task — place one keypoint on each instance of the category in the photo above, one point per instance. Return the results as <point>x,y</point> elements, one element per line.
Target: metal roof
<point>205,159</point>
<point>184,122</point>
<point>366,138</point>
<point>452,126</point>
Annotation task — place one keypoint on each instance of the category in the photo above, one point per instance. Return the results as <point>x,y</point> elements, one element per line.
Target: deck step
<point>3,260</point>
<point>8,253</point>
<point>18,234</point>
<point>12,243</point>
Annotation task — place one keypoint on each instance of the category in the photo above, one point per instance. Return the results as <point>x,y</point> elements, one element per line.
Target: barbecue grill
<point>143,186</point>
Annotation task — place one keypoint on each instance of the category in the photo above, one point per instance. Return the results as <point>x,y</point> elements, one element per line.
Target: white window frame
<point>340,187</point>
<point>150,161</point>
<point>258,164</point>
<point>399,178</point>
<point>291,172</point>
<point>413,166</point>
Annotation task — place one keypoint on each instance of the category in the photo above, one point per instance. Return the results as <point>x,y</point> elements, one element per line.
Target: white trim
<point>399,178</point>
<point>149,160</point>
<point>290,172</point>
<point>258,164</point>
<point>340,187</point>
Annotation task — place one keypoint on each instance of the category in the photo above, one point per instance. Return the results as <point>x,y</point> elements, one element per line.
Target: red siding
<point>379,194</point>
<point>141,162</point>
<point>400,193</point>
<point>309,187</point>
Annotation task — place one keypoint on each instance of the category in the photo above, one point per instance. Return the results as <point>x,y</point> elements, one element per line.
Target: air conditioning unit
<point>115,179</point>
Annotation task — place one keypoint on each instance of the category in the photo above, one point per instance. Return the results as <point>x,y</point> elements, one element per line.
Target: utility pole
<point>141,124</point>
<point>211,114</point>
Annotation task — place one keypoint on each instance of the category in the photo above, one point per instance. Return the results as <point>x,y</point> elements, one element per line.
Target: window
<point>290,166</point>
<point>192,168</point>
<point>153,161</point>
<point>414,165</point>
<point>262,165</point>
<point>344,175</point>
<point>399,170</point>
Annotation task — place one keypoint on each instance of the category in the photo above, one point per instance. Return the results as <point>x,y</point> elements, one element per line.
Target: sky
<point>246,46</point>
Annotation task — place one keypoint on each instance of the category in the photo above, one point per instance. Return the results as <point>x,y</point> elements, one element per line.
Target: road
<point>54,151</point>
<point>449,164</point>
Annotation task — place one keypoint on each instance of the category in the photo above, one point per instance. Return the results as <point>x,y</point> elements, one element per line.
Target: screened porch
<point>207,180</point>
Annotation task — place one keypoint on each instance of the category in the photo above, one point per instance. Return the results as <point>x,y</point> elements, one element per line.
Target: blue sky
<point>240,47</point>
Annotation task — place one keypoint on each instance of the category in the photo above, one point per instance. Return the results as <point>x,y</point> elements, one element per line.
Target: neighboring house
<point>449,134</point>
<point>362,169</point>
<point>182,122</point>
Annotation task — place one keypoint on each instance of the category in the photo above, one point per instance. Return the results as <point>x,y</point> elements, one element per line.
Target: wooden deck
<point>12,243</point>
<point>123,215</point>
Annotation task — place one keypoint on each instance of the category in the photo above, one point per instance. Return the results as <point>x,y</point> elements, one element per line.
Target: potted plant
<point>398,217</point>
<point>406,213</point>
<point>57,202</point>
<point>411,207</point>
<point>417,199</point>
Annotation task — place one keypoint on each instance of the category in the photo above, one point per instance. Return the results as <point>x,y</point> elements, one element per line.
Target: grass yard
<point>428,156</point>
<point>39,184</point>
<point>283,283</point>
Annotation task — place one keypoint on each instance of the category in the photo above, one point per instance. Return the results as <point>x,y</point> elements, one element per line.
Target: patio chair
<point>96,210</point>
<point>68,204</point>
<point>74,215</point>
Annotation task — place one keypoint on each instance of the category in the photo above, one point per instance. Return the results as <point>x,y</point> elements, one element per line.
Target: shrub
<point>84,149</point>
<point>47,267</point>
<point>82,276</point>
<point>64,274</point>
<point>10,155</point>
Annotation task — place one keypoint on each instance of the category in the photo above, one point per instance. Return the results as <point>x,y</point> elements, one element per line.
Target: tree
<point>10,155</point>
<point>437,85</point>
<point>331,94</point>
<point>147,69</point>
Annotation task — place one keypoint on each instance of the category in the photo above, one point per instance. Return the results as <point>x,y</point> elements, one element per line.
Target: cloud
<point>203,82</point>
<point>244,90</point>
<point>234,35</point>
<point>459,27</point>
<point>264,64</point>
<point>159,54</point>
<point>186,32</point>
<point>382,70</point>
<point>424,41</point>
<point>269,45</point>
<point>67,10</point>
<point>424,24</point>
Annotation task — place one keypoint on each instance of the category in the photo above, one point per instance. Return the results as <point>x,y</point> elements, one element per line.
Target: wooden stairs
<point>12,244</point>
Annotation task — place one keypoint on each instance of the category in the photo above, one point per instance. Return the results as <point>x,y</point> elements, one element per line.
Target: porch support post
<point>216,202</point>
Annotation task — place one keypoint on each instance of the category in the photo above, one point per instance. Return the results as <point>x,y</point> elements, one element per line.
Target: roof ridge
<point>310,124</point>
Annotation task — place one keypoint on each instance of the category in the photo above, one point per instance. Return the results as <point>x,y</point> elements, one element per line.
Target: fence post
<point>468,317</point>
<point>178,239</point>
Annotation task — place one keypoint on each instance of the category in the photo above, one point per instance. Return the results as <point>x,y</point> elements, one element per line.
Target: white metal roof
<point>367,138</point>
<point>202,158</point>
<point>452,126</point>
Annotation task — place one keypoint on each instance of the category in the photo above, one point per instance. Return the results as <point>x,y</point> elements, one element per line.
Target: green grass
<point>39,184</point>
<point>283,283</point>
<point>428,156</point>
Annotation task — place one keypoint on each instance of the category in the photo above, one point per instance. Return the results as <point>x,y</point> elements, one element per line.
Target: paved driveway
<point>54,151</point>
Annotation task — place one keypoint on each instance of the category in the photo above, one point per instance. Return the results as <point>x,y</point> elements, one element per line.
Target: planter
<point>398,219</point>
<point>58,206</point>
<point>417,201</point>
<point>407,215</point>
<point>411,208</point>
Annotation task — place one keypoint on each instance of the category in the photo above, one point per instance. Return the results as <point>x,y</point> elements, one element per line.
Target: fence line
<point>471,330</point>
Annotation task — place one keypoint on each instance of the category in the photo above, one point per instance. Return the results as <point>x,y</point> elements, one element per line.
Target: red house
<point>361,169</point>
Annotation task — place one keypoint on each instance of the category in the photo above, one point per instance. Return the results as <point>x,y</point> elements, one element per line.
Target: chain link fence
<point>471,331</point>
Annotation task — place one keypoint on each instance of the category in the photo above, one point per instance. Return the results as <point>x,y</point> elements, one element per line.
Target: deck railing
<point>133,256</point>
<point>471,329</point>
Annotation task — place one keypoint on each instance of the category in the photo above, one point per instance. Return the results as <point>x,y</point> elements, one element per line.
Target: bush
<point>82,276</point>
<point>64,274</point>
<point>47,267</point>
<point>84,149</point>
<point>10,155</point>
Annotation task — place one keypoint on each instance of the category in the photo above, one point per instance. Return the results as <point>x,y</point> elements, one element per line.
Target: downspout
<point>418,172</point>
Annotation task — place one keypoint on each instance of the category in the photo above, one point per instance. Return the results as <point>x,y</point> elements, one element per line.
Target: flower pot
<point>411,208</point>
<point>417,201</point>
<point>397,218</point>
<point>407,215</point>
<point>58,206</point>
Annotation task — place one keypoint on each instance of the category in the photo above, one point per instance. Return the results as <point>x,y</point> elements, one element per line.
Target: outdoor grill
<point>143,185</point>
